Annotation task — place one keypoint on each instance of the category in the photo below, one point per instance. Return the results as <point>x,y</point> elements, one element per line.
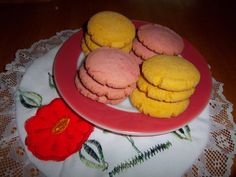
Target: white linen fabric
<point>174,161</point>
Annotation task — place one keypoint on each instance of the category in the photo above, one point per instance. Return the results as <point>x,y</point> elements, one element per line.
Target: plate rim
<point>78,35</point>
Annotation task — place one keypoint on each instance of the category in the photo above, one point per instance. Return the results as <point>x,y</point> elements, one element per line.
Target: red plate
<point>120,121</point>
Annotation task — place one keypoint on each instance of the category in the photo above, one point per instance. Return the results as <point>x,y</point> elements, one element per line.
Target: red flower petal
<point>34,124</point>
<point>46,143</point>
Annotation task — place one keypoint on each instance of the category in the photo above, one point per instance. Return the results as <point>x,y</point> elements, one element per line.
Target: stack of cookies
<point>154,39</point>
<point>114,52</point>
<point>108,75</point>
<point>110,29</point>
<point>165,86</point>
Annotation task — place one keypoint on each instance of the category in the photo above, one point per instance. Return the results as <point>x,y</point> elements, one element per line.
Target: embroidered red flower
<point>56,132</point>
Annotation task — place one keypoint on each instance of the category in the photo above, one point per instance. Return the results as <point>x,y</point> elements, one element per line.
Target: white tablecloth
<point>208,151</point>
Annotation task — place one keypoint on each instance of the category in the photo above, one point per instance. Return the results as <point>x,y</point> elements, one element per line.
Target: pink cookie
<point>142,51</point>
<point>112,67</point>
<point>138,60</point>
<point>103,90</point>
<point>160,39</point>
<point>89,94</point>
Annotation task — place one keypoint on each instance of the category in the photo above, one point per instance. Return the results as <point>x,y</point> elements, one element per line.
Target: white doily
<point>215,160</point>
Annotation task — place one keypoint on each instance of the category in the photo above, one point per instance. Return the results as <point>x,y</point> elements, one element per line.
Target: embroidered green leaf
<point>93,158</point>
<point>51,81</point>
<point>99,147</point>
<point>30,99</point>
<point>91,152</point>
<point>140,158</point>
<point>183,133</point>
<point>92,164</point>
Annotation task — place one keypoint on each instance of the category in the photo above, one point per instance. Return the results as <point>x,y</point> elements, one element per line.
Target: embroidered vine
<point>139,158</point>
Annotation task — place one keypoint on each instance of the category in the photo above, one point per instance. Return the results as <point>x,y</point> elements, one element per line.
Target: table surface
<point>209,25</point>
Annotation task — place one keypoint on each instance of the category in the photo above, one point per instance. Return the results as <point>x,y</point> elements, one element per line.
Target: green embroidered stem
<point>130,139</point>
<point>183,133</point>
<point>139,158</point>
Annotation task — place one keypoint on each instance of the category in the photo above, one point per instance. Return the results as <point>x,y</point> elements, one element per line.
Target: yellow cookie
<point>171,73</point>
<point>93,46</point>
<point>160,94</point>
<point>127,48</point>
<point>156,108</point>
<point>111,29</point>
<point>84,47</point>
